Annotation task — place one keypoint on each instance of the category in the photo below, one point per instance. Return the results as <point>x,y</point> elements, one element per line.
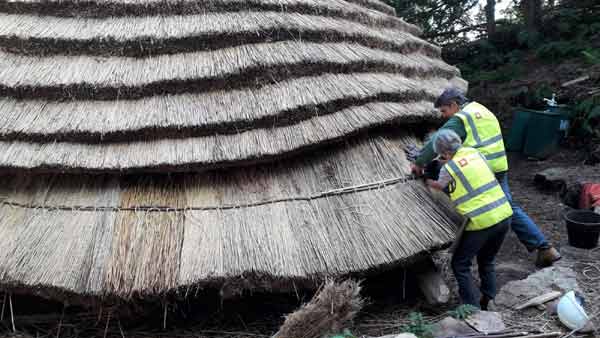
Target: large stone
<point>550,279</point>
<point>486,322</point>
<point>401,335</point>
<point>450,326</point>
<point>432,283</point>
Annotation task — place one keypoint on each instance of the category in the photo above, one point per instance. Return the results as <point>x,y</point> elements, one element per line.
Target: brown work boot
<point>546,257</point>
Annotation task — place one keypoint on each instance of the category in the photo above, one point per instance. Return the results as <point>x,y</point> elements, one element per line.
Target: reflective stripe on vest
<point>477,194</point>
<point>484,133</point>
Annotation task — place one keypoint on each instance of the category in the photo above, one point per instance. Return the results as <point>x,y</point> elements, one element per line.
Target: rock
<point>432,284</point>
<point>401,335</point>
<point>556,278</point>
<point>450,326</point>
<point>552,178</point>
<point>588,328</point>
<point>486,321</point>
<point>551,307</point>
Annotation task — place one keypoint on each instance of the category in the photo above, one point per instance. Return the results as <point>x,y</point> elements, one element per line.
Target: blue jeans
<point>526,230</point>
<point>483,244</point>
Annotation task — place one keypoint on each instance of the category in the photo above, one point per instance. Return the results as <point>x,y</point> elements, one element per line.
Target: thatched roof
<point>154,145</point>
<point>340,210</point>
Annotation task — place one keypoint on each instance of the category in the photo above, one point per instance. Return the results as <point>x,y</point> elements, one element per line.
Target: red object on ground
<point>590,196</point>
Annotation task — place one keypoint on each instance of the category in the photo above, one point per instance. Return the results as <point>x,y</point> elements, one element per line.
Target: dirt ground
<point>514,262</point>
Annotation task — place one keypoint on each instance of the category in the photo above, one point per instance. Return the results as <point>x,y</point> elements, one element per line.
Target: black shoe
<point>484,302</point>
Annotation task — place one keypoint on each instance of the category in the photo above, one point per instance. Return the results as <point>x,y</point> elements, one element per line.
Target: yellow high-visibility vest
<point>476,193</point>
<point>484,134</point>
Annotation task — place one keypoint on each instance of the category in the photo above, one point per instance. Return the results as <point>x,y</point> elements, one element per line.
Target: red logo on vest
<point>463,162</point>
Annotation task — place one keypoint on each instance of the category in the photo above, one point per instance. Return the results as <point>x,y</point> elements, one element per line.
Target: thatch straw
<point>84,235</point>
<point>85,77</point>
<point>117,8</point>
<point>143,36</point>
<point>332,309</point>
<point>206,152</point>
<point>285,102</point>
<point>222,112</point>
<point>376,5</point>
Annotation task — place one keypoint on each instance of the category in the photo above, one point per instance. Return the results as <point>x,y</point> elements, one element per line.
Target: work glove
<point>412,152</point>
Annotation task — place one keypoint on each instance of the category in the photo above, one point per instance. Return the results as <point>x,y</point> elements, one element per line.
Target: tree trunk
<point>490,16</point>
<point>532,11</point>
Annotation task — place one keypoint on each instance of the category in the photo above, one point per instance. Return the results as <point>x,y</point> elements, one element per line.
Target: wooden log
<point>539,300</point>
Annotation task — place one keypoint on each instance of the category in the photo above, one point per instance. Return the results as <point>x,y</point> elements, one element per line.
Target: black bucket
<point>583,228</point>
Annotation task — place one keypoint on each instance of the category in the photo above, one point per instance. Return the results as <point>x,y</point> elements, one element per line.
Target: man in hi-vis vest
<point>477,196</point>
<point>478,128</point>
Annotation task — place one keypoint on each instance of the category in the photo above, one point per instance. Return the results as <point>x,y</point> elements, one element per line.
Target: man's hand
<point>417,170</point>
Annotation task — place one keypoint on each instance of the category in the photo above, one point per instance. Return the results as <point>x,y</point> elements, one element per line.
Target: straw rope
<point>119,8</point>
<point>143,36</point>
<point>157,208</point>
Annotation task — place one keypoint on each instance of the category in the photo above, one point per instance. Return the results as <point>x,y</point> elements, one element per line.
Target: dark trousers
<point>483,244</point>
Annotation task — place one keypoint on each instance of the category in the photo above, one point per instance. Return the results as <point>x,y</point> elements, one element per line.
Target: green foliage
<point>528,39</point>
<point>502,74</point>
<point>591,56</point>
<point>437,18</point>
<point>418,326</point>
<point>463,311</point>
<point>345,334</point>
<point>586,118</point>
<point>559,50</point>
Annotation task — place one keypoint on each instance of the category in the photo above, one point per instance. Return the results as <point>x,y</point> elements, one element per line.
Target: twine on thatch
<point>330,311</point>
<point>117,8</point>
<point>143,36</point>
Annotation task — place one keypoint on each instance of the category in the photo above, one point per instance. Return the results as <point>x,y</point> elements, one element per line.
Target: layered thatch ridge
<point>189,115</point>
<point>207,152</point>
<point>344,209</point>
<point>143,36</point>
<point>118,8</point>
<point>161,145</point>
<point>231,68</point>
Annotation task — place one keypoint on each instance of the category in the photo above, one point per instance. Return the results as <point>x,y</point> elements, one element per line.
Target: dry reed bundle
<point>145,250</point>
<point>305,219</point>
<point>221,112</point>
<point>84,77</point>
<point>54,248</point>
<point>332,309</point>
<point>143,36</point>
<point>208,152</point>
<point>118,8</point>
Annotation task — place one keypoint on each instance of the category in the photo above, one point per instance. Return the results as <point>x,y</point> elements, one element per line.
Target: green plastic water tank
<point>518,130</point>
<point>544,131</point>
